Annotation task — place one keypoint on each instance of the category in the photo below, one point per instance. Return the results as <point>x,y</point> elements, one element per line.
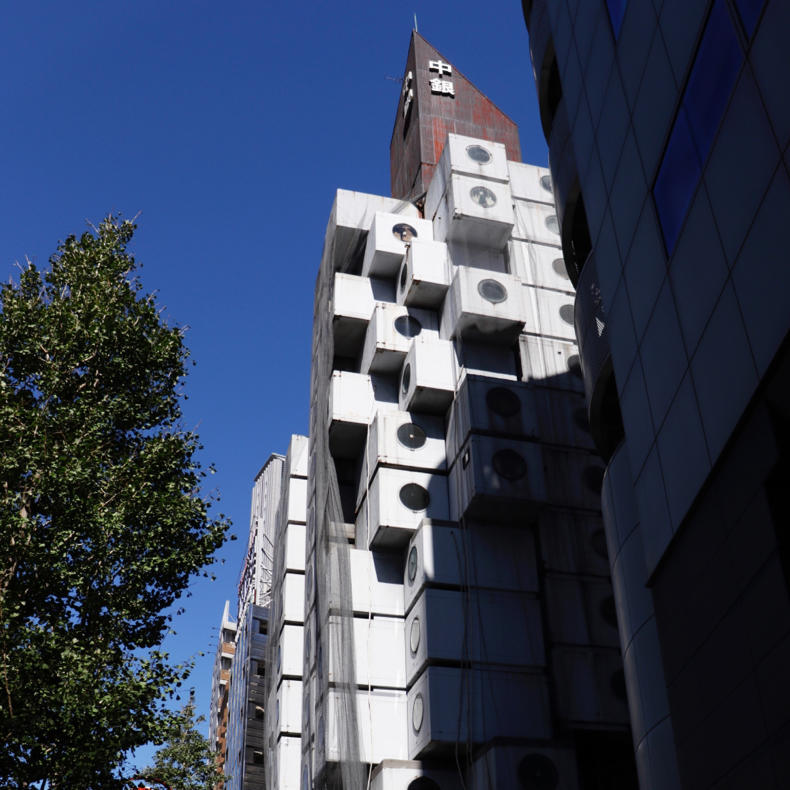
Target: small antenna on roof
<point>415,23</point>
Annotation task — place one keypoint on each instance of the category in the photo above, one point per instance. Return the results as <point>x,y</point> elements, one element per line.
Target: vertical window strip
<point>616,10</point>
<point>710,83</point>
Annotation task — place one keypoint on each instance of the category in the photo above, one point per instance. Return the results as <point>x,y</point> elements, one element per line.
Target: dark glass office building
<point>668,126</point>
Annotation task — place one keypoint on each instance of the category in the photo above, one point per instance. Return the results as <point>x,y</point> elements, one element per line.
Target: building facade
<point>458,618</point>
<point>668,134</point>
<point>220,688</point>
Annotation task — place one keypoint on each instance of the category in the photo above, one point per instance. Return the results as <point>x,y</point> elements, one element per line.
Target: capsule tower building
<point>458,627</point>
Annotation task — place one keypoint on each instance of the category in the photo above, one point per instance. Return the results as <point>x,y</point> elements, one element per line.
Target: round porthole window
<point>608,611</point>
<point>414,635</point>
<point>503,402</point>
<point>483,196</point>
<point>558,264</point>
<point>492,291</point>
<point>545,182</point>
<point>414,497</point>
<point>617,684</point>
<point>538,772</point>
<point>574,365</point>
<point>423,783</point>
<point>404,232</point>
<point>598,543</point>
<point>412,564</point>
<point>593,478</point>
<point>478,154</point>
<point>405,380</point>
<point>509,464</point>
<point>552,224</point>
<point>411,436</point>
<point>417,713</point>
<point>408,326</point>
<point>566,313</point>
<point>404,273</point>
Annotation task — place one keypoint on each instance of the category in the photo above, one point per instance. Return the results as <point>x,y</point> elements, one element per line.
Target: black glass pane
<point>509,464</point>
<point>408,326</point>
<point>503,402</point>
<point>406,379</point>
<point>423,783</point>
<point>712,77</point>
<point>677,179</point>
<point>414,496</point>
<point>478,154</point>
<point>616,14</point>
<point>749,12</point>
<point>492,291</point>
<point>411,435</point>
<point>404,231</point>
<point>538,772</point>
<point>413,558</point>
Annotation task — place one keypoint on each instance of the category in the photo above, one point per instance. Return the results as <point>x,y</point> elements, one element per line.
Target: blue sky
<point>227,127</point>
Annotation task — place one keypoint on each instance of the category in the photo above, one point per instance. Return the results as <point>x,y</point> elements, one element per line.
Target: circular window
<point>411,436</point>
<point>492,291</point>
<point>483,196</point>
<point>509,464</point>
<point>580,418</point>
<point>414,635</point>
<point>503,402</point>
<point>593,478</point>
<point>417,713</point>
<point>566,313</point>
<point>558,264</point>
<point>538,772</point>
<point>405,379</point>
<point>545,182</point>
<point>478,154</point>
<point>412,564</point>
<point>608,611</point>
<point>414,497</point>
<point>404,273</point>
<point>423,783</point>
<point>404,232</point>
<point>617,684</point>
<point>552,224</point>
<point>598,543</point>
<point>575,366</point>
<point>408,326</point>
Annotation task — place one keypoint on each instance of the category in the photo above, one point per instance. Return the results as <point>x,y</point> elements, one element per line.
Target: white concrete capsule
<point>396,502</point>
<point>386,243</point>
<point>483,305</point>
<point>477,556</point>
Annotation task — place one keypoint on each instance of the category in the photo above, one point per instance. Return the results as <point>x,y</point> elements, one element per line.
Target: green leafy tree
<point>102,522</point>
<point>186,761</point>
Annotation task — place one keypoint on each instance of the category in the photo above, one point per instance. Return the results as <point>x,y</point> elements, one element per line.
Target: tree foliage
<point>186,761</point>
<point>102,523</point>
